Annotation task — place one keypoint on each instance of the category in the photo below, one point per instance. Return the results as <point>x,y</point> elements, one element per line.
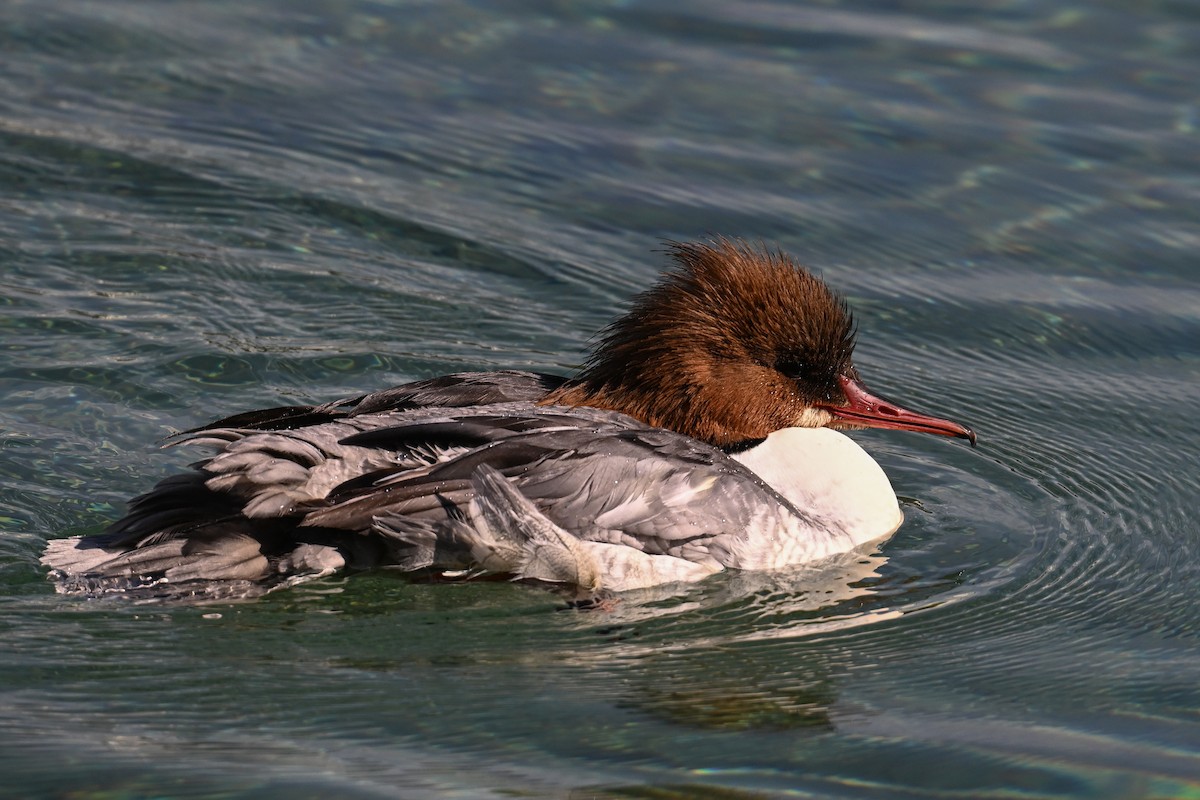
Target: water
<point>211,207</point>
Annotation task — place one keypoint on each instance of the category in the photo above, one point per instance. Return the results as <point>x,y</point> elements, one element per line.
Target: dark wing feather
<point>285,418</point>
<point>438,435</point>
<point>448,391</point>
<point>177,504</point>
<point>460,390</point>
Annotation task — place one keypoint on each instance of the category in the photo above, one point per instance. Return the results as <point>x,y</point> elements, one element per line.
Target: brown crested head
<point>736,342</point>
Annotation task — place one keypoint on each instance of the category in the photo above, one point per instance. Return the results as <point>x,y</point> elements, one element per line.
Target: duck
<point>703,433</point>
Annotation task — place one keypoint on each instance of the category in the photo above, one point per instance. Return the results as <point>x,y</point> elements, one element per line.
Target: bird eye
<point>792,367</point>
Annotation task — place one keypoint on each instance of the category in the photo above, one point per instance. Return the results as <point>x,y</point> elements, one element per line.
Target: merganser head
<point>736,342</point>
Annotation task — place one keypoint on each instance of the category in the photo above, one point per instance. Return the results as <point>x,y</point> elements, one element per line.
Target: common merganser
<point>698,437</point>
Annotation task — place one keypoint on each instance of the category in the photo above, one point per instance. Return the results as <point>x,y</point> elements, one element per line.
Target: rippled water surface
<point>214,206</point>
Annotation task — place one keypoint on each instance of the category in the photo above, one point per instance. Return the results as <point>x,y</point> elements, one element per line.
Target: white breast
<point>826,474</point>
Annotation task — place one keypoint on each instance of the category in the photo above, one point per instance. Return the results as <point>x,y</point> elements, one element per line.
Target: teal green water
<point>210,207</point>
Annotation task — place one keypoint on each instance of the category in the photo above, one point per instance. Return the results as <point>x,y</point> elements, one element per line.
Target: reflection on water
<point>210,208</point>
